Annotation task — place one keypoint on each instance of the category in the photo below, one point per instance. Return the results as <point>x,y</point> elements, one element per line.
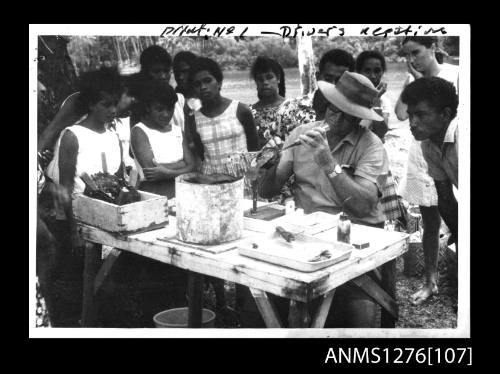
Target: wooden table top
<point>231,266</point>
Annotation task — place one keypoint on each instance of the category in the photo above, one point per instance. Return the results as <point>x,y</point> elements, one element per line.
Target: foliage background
<point>90,52</point>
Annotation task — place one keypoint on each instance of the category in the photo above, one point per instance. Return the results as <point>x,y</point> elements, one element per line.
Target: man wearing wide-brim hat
<point>342,168</point>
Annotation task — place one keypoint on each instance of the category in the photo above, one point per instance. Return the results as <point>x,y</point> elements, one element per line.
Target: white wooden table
<point>261,277</point>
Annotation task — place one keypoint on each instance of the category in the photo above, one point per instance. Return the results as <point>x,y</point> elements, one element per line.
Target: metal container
<point>208,214</point>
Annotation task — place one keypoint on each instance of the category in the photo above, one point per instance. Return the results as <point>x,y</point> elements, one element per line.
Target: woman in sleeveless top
<point>417,187</point>
<point>158,144</point>
<point>80,147</point>
<point>224,128</point>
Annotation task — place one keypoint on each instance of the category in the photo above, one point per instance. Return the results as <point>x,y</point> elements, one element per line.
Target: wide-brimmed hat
<point>353,94</point>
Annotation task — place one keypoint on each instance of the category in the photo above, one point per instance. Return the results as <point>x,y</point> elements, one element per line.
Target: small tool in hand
<point>325,127</point>
<point>287,235</point>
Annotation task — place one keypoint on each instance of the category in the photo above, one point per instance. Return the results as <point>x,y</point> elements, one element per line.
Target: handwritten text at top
<point>298,30</point>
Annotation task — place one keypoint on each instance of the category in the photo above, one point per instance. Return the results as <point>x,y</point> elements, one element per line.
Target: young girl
<point>89,146</point>
<point>158,143</point>
<point>269,78</point>
<point>224,127</point>
<point>372,65</point>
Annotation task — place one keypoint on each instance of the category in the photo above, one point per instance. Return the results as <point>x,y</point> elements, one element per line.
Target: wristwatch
<point>337,169</point>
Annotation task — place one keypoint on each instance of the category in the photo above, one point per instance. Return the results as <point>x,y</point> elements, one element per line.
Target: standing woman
<point>158,144</point>
<point>269,78</point>
<point>417,187</point>
<point>224,127</point>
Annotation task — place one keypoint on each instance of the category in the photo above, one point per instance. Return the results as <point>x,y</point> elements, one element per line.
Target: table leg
<point>195,299</point>
<point>323,309</point>
<point>388,283</point>
<point>373,289</point>
<point>105,269</point>
<point>266,308</point>
<point>298,316</point>
<point>92,264</point>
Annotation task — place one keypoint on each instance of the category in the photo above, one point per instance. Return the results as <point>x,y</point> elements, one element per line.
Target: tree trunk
<point>133,40</point>
<point>127,56</point>
<point>139,43</point>
<point>57,73</point>
<point>306,65</point>
<point>118,53</point>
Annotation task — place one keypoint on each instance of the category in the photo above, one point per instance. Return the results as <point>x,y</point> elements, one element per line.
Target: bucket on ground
<point>178,318</point>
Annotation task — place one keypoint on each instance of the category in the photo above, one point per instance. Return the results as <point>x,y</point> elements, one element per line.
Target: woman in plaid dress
<point>224,128</point>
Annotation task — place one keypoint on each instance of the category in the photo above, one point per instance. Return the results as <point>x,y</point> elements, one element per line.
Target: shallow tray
<point>296,255</point>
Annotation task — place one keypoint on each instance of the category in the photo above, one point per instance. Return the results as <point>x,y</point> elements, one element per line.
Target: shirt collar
<point>352,138</point>
<point>449,137</point>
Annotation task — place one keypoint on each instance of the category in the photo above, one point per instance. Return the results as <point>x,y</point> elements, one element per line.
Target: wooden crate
<point>148,214</point>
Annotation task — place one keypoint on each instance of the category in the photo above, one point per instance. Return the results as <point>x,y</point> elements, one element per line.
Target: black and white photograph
<point>265,180</point>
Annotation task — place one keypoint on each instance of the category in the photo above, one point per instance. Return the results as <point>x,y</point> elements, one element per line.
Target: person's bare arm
<point>154,171</point>
<point>274,178</point>
<point>68,152</point>
<point>66,116</point>
<point>400,108</point>
<point>447,205</point>
<point>245,116</point>
<point>187,164</point>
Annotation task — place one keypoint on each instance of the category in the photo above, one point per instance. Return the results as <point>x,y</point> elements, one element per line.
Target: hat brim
<point>340,101</point>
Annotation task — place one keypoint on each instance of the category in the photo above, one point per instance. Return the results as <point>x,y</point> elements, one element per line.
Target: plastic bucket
<point>178,318</point>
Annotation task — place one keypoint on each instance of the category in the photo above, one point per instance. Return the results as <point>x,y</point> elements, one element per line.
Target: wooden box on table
<point>148,214</point>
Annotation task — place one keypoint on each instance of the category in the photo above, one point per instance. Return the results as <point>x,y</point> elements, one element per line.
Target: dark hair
<point>154,55</point>
<point>205,63</point>
<point>183,56</point>
<point>132,84</point>
<point>264,64</point>
<point>337,57</point>
<point>365,55</point>
<point>93,84</point>
<point>426,41</point>
<point>155,92</point>
<point>437,92</point>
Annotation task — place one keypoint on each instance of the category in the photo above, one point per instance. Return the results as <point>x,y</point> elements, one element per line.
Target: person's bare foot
<point>424,293</point>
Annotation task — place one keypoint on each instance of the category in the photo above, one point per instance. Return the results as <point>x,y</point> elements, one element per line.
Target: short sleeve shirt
<point>443,161</point>
<point>313,191</point>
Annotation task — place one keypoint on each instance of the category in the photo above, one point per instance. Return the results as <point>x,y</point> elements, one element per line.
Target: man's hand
<point>416,74</point>
<point>157,173</point>
<point>316,141</point>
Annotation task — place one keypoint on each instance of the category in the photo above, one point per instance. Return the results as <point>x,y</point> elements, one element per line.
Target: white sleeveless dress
<point>166,146</point>
<point>90,146</point>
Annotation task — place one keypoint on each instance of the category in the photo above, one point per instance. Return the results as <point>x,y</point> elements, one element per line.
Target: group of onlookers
<point>150,132</point>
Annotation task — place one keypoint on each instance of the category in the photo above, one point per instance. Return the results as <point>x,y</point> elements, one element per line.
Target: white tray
<point>272,248</point>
